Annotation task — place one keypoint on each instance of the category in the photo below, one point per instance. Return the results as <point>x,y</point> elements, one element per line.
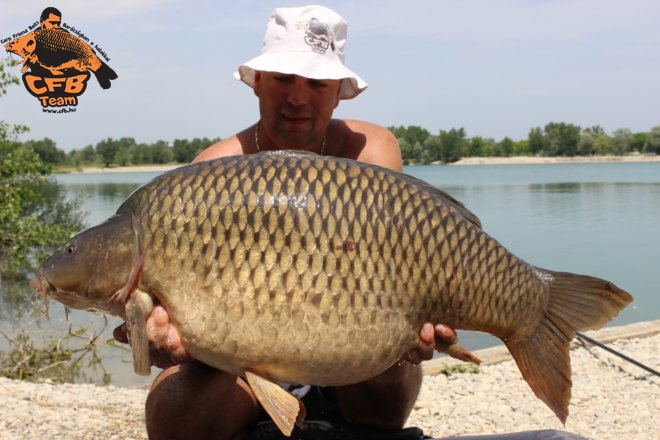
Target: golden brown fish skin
<point>319,270</point>
<point>330,254</point>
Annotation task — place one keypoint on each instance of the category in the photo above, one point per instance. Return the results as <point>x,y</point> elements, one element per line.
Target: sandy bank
<point>521,160</point>
<point>127,169</point>
<point>517,160</point>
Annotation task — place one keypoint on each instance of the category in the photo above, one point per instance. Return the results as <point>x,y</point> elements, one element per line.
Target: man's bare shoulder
<point>232,146</point>
<point>364,141</point>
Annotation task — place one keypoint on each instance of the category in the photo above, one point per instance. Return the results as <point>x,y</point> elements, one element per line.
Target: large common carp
<point>306,269</point>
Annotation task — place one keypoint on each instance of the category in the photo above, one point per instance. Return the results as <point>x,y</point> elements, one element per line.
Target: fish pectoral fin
<point>281,406</point>
<point>138,308</point>
<point>457,352</point>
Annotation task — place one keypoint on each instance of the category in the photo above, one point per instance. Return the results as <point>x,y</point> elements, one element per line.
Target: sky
<point>496,68</point>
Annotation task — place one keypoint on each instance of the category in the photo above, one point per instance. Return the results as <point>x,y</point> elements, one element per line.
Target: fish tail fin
<point>576,303</point>
<point>104,74</point>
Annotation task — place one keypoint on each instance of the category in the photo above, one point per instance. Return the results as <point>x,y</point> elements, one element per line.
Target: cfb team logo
<point>56,63</point>
<point>317,35</point>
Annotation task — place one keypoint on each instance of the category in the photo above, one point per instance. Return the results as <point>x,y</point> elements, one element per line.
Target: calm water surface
<point>599,219</point>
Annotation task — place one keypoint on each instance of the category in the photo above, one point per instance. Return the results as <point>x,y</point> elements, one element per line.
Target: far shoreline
<point>513,160</point>
<point>524,160</point>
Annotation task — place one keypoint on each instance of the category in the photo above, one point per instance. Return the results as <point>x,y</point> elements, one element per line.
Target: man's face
<point>52,22</point>
<point>295,111</point>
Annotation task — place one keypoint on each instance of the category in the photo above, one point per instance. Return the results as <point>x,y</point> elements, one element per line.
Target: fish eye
<point>69,248</point>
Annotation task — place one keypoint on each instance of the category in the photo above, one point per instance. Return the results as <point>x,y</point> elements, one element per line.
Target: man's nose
<point>299,91</point>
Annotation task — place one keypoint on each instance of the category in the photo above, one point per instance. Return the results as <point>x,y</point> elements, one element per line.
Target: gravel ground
<point>612,399</point>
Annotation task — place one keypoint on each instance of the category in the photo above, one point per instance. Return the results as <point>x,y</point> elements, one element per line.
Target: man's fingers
<point>120,333</point>
<point>160,315</point>
<point>445,334</point>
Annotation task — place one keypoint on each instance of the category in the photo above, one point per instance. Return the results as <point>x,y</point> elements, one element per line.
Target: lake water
<point>602,219</point>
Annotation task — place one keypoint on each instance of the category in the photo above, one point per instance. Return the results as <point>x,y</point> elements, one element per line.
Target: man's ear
<point>338,93</point>
<point>255,85</point>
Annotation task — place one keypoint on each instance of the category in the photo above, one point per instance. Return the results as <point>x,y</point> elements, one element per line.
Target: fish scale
<point>307,269</point>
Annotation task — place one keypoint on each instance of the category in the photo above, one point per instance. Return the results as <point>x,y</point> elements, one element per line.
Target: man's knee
<point>196,401</point>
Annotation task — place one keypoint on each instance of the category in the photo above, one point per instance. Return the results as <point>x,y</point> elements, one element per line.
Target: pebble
<point>612,399</point>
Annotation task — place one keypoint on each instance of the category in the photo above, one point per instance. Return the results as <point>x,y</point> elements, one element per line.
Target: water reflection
<point>556,188</point>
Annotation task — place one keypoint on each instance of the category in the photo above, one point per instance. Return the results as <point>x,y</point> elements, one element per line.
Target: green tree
<point>474,147</point>
<point>412,133</point>
<point>140,154</point>
<point>123,156</point>
<point>406,150</point>
<point>125,147</point>
<point>638,141</point>
<point>160,152</point>
<point>451,145</point>
<point>85,156</point>
<point>586,145</point>
<point>622,139</point>
<point>417,152</point>
<point>595,129</point>
<point>432,150</point>
<point>47,151</point>
<point>561,139</point>
<point>521,148</point>
<point>603,144</point>
<point>536,141</point>
<point>652,144</point>
<point>107,149</point>
<point>185,151</point>
<point>34,213</point>
<point>504,147</point>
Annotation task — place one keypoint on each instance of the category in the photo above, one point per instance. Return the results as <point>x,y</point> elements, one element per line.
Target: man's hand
<point>429,336</point>
<point>165,347</point>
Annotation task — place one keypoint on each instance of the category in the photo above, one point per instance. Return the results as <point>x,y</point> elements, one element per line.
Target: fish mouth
<point>47,289</point>
<point>41,284</point>
<point>76,300</point>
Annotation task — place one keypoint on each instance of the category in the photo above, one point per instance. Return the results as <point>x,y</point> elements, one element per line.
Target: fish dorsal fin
<point>138,308</point>
<point>281,406</point>
<point>290,153</point>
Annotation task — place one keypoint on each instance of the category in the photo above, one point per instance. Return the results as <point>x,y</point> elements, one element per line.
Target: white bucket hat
<point>307,41</point>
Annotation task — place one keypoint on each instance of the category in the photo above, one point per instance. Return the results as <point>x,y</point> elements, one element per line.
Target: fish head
<point>22,46</point>
<point>92,268</point>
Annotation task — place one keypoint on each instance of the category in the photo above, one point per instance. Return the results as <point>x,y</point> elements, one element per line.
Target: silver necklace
<point>256,140</point>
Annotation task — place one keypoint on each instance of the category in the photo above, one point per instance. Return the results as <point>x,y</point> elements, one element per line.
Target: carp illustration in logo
<point>58,62</point>
<point>57,50</point>
<point>318,36</point>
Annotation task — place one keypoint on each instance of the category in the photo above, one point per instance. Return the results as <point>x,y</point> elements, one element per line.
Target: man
<point>51,18</point>
<point>299,80</point>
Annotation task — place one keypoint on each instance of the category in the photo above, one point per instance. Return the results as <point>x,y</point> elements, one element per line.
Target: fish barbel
<point>293,267</point>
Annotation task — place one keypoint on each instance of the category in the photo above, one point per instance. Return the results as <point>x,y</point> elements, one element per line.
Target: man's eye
<point>318,84</point>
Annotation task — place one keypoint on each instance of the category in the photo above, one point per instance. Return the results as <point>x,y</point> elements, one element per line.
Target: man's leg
<point>193,400</point>
<point>385,401</point>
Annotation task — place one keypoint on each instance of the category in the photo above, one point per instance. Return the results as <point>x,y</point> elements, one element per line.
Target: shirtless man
<point>299,79</point>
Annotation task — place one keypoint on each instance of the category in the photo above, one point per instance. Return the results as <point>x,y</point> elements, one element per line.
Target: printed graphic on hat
<point>57,63</point>
<point>318,36</point>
